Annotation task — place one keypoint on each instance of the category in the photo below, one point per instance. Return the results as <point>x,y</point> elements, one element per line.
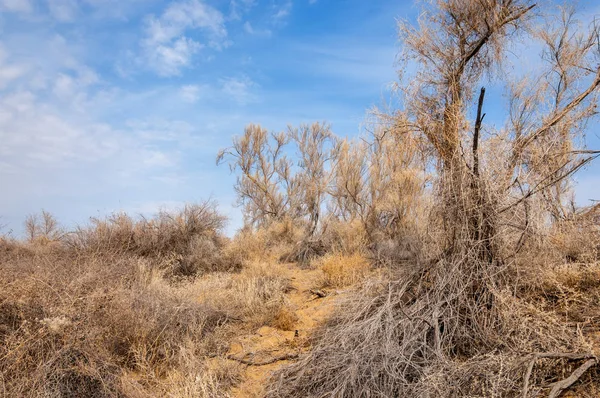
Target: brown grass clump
<point>285,319</point>
<point>346,237</point>
<point>577,240</point>
<point>275,243</point>
<point>182,243</point>
<point>344,270</point>
<point>256,294</point>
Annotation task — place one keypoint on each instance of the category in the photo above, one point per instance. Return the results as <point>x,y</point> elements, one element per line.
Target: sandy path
<point>268,344</point>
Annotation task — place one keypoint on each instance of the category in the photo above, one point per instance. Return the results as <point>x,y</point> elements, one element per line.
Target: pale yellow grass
<point>343,270</point>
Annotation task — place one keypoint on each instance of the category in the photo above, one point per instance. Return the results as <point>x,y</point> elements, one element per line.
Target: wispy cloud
<point>19,6</point>
<point>190,93</point>
<point>238,89</point>
<point>248,28</point>
<point>282,11</point>
<point>168,45</point>
<point>168,59</point>
<point>9,71</point>
<point>63,10</point>
<point>237,8</point>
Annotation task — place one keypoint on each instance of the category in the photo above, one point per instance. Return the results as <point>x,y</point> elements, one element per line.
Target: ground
<point>270,348</point>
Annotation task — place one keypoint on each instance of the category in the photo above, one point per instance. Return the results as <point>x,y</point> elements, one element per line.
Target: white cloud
<point>239,7</point>
<point>63,10</point>
<point>160,130</point>
<point>157,158</point>
<point>20,6</point>
<point>248,28</point>
<point>166,45</point>
<point>238,89</point>
<point>64,86</point>
<point>283,11</point>
<point>9,71</point>
<point>190,93</point>
<point>168,59</point>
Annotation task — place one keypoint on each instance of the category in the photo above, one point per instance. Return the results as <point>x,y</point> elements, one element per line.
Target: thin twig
<point>249,362</point>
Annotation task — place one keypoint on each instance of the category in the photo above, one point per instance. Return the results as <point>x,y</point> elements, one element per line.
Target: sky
<point>122,105</point>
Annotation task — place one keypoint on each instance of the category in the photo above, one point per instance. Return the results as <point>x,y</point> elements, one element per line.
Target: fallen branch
<point>591,358</point>
<point>318,293</point>
<point>249,362</point>
<point>566,383</point>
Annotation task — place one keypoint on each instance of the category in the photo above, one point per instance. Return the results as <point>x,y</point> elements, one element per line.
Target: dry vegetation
<point>128,308</point>
<point>468,269</point>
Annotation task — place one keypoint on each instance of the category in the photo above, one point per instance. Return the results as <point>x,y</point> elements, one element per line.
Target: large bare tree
<point>458,44</point>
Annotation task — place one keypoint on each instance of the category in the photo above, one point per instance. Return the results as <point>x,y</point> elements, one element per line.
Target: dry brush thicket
<point>492,279</point>
<point>500,293</point>
<point>474,272</point>
<point>128,307</point>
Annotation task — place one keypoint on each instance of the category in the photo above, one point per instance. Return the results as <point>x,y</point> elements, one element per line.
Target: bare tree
<point>549,112</point>
<point>396,179</point>
<point>42,227</point>
<point>315,145</point>
<point>349,181</point>
<point>264,171</point>
<point>456,45</point>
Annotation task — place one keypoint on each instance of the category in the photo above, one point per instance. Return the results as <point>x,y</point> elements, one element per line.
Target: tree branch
<point>249,362</point>
<point>566,383</point>
<point>558,116</point>
<point>561,385</point>
<point>478,122</point>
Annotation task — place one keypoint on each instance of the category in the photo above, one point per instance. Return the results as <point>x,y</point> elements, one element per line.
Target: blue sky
<point>109,105</point>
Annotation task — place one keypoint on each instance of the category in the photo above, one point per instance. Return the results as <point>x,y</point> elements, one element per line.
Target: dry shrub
<point>346,237</point>
<point>344,270</point>
<point>183,243</point>
<point>275,242</point>
<point>576,240</point>
<point>256,294</point>
<point>250,246</point>
<point>70,325</point>
<point>570,290</point>
<point>43,229</point>
<point>451,328</point>
<point>285,319</point>
<point>306,251</point>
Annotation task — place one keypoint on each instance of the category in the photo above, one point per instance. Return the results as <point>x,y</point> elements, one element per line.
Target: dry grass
<point>255,295</point>
<point>78,320</point>
<point>274,243</point>
<point>455,328</point>
<point>72,324</point>
<point>346,237</point>
<point>344,270</point>
<point>183,244</point>
<point>106,313</point>
<point>285,319</point>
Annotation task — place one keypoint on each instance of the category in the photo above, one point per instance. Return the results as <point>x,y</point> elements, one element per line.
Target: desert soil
<point>268,344</point>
